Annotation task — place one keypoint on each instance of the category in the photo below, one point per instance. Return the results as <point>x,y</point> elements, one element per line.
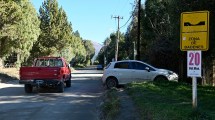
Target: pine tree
<point>57,37</point>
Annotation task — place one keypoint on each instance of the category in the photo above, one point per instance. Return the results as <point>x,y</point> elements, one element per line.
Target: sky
<point>94,18</point>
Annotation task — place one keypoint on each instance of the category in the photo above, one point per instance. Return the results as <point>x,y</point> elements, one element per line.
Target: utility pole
<point>105,52</point>
<point>138,31</point>
<point>117,41</point>
<point>135,52</point>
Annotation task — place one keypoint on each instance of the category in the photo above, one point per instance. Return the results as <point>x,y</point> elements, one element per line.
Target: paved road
<point>79,102</point>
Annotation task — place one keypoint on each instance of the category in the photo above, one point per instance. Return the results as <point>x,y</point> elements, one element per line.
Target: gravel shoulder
<point>128,110</point>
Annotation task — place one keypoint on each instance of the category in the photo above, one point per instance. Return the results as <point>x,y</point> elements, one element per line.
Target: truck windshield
<point>49,63</point>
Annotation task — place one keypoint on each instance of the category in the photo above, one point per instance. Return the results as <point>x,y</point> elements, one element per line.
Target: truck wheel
<point>28,88</point>
<point>68,82</point>
<point>60,87</point>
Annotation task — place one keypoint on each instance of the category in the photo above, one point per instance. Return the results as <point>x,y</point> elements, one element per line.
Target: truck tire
<point>28,88</point>
<point>68,82</point>
<point>60,87</point>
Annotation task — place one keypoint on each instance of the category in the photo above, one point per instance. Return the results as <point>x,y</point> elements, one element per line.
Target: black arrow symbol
<point>199,24</point>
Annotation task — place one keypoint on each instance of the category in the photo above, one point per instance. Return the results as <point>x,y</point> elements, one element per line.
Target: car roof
<point>133,61</point>
<point>127,61</point>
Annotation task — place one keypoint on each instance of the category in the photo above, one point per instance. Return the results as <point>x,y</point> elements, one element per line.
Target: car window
<point>122,65</point>
<point>138,66</point>
<point>41,63</point>
<point>49,62</point>
<point>58,63</point>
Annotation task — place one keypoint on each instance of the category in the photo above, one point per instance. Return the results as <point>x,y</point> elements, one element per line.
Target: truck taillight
<point>61,72</point>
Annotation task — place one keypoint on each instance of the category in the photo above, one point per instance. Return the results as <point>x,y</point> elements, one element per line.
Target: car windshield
<point>107,66</point>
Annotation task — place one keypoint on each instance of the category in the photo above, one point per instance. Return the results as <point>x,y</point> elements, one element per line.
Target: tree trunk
<point>1,63</point>
<point>213,72</point>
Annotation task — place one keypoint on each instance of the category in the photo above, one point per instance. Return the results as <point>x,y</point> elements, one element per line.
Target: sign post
<point>194,89</point>
<point>194,68</point>
<point>195,37</point>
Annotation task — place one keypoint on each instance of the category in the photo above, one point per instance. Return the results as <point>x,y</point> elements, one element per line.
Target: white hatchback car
<point>122,72</point>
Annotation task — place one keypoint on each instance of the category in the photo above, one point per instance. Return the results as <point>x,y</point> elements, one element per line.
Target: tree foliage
<point>57,37</point>
<point>28,35</point>
<point>19,28</point>
<point>55,29</point>
<point>90,50</point>
<point>107,52</point>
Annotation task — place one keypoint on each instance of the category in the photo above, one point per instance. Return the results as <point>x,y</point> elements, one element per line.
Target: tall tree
<point>55,30</point>
<point>90,51</point>
<point>109,49</point>
<point>19,28</point>
<point>10,16</point>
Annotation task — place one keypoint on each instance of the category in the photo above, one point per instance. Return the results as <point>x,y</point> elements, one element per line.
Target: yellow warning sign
<point>194,41</point>
<point>194,31</point>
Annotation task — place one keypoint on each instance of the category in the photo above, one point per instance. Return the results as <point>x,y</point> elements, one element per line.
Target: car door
<point>139,71</point>
<point>122,72</point>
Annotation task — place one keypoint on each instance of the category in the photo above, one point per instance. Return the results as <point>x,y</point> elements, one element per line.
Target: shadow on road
<point>4,78</point>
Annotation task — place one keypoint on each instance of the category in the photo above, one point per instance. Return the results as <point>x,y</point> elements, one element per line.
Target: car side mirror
<point>147,69</point>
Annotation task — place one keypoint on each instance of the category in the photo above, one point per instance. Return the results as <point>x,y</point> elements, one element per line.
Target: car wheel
<point>68,82</point>
<point>111,83</point>
<point>61,87</point>
<point>28,88</point>
<point>161,79</point>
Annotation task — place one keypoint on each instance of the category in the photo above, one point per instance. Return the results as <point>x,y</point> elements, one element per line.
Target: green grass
<point>172,101</point>
<point>110,106</point>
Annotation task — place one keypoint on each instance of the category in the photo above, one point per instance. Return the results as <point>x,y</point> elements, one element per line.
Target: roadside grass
<point>110,106</point>
<point>172,101</point>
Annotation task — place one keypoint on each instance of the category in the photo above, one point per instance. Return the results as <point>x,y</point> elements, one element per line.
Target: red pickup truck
<point>46,72</point>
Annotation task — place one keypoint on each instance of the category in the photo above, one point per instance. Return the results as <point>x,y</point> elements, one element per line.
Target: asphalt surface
<point>79,102</point>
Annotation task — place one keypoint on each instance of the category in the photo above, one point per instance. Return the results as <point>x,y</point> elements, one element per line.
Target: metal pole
<point>194,89</point>
<point>134,51</point>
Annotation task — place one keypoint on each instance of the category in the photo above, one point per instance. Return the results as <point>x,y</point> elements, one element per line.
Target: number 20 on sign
<point>194,59</point>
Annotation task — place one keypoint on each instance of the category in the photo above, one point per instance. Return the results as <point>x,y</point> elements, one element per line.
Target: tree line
<point>30,35</point>
<point>160,37</point>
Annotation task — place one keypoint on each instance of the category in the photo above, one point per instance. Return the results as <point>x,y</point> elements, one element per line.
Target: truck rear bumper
<point>40,82</point>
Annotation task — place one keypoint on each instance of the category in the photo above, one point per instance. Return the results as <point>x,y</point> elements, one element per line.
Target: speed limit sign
<point>194,63</point>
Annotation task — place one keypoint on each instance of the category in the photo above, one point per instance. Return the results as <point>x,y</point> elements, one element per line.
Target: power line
<point>127,21</point>
<point>134,6</point>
